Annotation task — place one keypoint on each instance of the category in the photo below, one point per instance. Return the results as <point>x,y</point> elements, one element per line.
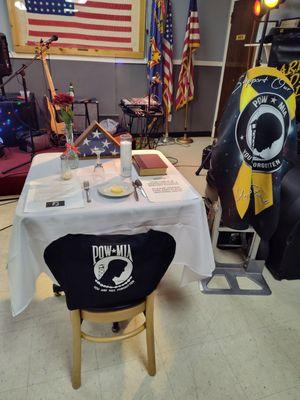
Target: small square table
<point>32,232</point>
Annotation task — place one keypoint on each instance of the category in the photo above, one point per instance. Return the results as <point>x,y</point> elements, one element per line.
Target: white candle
<point>126,158</point>
<point>66,175</point>
<point>65,171</point>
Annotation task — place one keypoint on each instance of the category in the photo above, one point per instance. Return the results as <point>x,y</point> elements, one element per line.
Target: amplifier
<point>15,118</point>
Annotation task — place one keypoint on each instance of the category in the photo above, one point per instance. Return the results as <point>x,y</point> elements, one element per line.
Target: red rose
<point>63,99</point>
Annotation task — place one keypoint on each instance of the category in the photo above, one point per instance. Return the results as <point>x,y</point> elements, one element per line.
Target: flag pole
<point>185,139</point>
<point>166,139</point>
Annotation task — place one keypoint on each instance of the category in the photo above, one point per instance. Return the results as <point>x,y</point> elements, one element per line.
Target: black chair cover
<point>109,271</point>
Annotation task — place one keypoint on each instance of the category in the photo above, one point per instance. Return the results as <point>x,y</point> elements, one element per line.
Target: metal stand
<point>86,103</point>
<point>166,139</point>
<point>251,270</point>
<point>203,164</point>
<point>185,139</point>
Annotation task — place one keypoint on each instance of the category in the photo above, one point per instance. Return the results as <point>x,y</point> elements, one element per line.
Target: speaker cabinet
<point>15,119</point>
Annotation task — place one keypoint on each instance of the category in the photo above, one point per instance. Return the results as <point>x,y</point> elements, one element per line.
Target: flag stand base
<point>185,140</point>
<point>166,140</point>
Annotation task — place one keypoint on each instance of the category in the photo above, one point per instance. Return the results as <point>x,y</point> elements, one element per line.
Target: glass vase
<point>70,152</point>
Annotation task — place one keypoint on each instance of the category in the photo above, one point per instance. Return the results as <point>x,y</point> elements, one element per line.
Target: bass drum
<point>284,246</point>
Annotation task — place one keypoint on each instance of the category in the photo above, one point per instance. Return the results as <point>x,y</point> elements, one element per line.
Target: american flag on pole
<point>185,91</point>
<point>103,25</point>
<point>168,60</point>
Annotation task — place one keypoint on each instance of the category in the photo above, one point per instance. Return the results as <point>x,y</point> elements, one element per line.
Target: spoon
<point>140,186</point>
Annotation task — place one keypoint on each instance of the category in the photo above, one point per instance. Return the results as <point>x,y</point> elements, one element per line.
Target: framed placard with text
<point>114,28</point>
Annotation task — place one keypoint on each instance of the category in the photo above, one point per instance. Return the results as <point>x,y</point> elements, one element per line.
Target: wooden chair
<point>78,316</point>
<point>137,273</point>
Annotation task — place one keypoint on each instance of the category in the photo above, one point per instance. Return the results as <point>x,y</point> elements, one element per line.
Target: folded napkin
<point>54,193</point>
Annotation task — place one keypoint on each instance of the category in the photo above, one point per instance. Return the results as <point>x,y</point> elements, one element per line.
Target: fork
<point>86,187</point>
<point>136,195</point>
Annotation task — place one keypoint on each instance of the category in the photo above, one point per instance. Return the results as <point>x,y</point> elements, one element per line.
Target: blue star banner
<point>95,138</point>
<point>155,58</point>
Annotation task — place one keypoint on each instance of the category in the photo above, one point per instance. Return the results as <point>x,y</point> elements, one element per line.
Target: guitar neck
<point>49,78</point>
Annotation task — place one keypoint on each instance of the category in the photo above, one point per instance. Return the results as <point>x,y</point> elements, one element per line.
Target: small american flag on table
<point>95,137</point>
<point>103,25</point>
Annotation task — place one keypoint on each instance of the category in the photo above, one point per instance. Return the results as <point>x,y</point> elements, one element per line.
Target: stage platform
<point>11,184</point>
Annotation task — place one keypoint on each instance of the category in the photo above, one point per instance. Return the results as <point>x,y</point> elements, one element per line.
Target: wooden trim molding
<point>197,63</point>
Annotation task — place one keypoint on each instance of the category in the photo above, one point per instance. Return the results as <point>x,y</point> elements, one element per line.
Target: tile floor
<point>208,347</point>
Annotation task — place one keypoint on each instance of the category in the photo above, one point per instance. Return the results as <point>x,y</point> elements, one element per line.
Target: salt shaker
<point>126,155</point>
<point>65,168</point>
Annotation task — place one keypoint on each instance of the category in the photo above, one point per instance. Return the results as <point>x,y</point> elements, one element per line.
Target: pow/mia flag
<point>256,147</point>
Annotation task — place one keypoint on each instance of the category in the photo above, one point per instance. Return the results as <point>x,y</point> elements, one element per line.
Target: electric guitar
<point>56,125</point>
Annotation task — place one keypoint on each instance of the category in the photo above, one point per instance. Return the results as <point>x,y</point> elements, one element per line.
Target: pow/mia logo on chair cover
<point>113,266</point>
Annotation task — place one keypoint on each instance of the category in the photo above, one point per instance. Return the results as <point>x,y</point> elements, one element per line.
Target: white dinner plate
<point>105,189</point>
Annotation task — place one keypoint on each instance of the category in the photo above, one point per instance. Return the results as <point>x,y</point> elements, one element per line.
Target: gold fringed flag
<point>186,89</point>
<point>168,60</point>
<point>155,61</point>
<point>256,147</point>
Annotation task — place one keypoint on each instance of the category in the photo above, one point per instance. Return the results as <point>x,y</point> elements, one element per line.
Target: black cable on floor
<point>173,160</point>
<point>12,198</point>
<point>3,229</point>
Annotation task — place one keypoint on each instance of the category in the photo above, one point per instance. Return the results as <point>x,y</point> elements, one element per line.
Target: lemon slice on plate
<point>116,189</point>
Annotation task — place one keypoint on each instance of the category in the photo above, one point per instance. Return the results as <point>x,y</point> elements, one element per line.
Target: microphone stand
<point>3,95</point>
<point>21,72</point>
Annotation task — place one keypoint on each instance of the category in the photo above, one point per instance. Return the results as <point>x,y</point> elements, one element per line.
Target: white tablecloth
<point>33,232</point>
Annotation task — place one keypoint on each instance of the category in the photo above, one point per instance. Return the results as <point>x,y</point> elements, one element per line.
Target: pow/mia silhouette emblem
<point>261,132</point>
<point>113,267</point>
